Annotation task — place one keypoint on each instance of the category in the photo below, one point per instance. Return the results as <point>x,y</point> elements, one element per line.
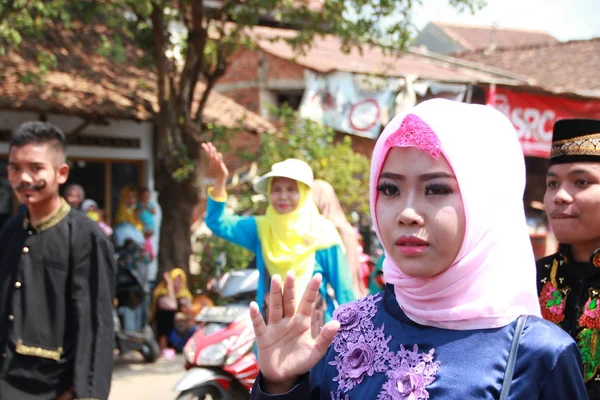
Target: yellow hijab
<point>289,241</point>
<point>162,290</point>
<point>126,214</point>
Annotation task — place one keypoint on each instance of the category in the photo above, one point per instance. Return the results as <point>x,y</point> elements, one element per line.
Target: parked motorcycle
<point>132,329</point>
<point>219,357</point>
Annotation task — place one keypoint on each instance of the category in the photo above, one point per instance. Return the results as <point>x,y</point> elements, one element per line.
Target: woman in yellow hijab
<point>126,210</point>
<point>291,236</point>
<point>168,297</point>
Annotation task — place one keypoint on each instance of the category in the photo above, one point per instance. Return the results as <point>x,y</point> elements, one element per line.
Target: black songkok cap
<point>575,140</point>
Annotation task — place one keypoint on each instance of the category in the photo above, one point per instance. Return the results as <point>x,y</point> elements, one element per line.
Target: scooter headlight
<point>214,355</point>
<point>238,353</point>
<point>189,351</point>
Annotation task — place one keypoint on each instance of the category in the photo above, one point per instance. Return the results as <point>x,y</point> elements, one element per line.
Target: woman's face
<point>420,212</point>
<point>284,196</point>
<point>74,197</point>
<point>177,284</point>
<point>131,198</point>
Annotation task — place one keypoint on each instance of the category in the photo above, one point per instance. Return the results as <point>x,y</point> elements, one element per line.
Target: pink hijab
<point>492,280</point>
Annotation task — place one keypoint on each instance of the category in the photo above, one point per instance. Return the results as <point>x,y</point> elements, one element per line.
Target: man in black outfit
<point>57,277</point>
<point>569,280</point>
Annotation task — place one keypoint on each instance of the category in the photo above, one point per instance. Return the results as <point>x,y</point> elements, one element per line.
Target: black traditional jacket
<point>57,283</point>
<point>569,294</point>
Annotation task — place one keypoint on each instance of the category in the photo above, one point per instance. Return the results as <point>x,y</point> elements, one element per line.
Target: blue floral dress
<point>379,353</point>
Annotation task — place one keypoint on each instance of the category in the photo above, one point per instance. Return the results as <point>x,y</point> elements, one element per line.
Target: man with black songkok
<point>569,280</point>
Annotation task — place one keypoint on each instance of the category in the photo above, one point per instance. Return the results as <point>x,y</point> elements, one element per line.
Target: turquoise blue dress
<point>242,230</point>
<point>379,353</point>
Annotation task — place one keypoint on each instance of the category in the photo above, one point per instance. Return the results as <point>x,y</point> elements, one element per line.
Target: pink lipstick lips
<point>411,245</point>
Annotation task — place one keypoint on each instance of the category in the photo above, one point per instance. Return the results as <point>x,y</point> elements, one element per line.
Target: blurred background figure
<point>146,211</point>
<point>90,208</point>
<point>170,296</point>
<point>329,206</point>
<point>74,195</point>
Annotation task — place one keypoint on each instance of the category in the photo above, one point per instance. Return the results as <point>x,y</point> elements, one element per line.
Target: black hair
<point>37,132</point>
<point>144,189</point>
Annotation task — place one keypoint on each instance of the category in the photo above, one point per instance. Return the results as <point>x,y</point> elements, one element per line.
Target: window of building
<point>293,98</point>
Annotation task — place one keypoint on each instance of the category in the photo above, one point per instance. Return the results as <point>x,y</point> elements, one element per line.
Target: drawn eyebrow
<point>424,177</point>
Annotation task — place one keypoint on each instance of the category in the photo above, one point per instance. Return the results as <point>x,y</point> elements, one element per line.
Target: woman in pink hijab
<point>459,318</point>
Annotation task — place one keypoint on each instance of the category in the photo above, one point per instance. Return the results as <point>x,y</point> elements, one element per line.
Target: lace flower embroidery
<point>409,374</point>
<point>362,349</point>
<point>414,132</point>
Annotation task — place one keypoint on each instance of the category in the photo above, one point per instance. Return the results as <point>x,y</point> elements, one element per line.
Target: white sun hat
<point>291,168</point>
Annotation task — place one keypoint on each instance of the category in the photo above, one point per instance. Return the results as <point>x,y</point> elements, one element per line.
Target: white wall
<point>115,128</point>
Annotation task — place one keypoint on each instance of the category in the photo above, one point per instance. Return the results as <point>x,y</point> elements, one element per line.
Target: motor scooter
<point>219,356</point>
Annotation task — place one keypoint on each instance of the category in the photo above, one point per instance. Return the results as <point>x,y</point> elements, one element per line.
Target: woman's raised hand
<point>286,348</point>
<point>218,168</point>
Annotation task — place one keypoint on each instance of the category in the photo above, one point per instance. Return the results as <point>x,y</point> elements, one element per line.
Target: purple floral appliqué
<point>414,132</point>
<point>410,373</point>
<point>362,349</point>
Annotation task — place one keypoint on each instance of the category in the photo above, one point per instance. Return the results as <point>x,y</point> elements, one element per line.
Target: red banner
<point>533,116</point>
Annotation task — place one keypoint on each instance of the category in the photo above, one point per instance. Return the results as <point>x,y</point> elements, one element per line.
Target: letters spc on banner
<point>347,102</point>
<point>533,116</point>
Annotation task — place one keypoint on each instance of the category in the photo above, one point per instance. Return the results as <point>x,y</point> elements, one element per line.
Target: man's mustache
<point>32,186</point>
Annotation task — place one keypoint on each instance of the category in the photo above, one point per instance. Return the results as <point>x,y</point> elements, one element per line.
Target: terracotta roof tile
<point>481,37</point>
<point>325,56</point>
<point>560,67</point>
<point>87,84</point>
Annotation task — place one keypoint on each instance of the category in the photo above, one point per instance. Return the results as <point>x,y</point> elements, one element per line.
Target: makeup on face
<point>420,211</point>
<point>33,173</point>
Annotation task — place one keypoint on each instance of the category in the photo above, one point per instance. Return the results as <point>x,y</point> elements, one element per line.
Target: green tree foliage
<point>186,42</point>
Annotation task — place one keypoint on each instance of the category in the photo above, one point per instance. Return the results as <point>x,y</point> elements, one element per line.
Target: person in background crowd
<point>90,208</point>
<point>127,209</point>
<point>459,318</point>
<point>146,210</point>
<point>292,235</point>
<point>569,280</point>
<point>185,327</point>
<point>127,225</point>
<point>74,194</point>
<point>169,296</point>
<point>329,206</point>
<point>57,281</point>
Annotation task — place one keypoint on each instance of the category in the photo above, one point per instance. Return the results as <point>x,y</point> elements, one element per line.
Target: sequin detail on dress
<point>414,132</point>
<point>362,351</point>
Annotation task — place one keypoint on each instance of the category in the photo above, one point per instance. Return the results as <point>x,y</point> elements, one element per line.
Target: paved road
<point>133,379</point>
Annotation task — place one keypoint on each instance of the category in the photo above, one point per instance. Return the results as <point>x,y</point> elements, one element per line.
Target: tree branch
<point>160,57</point>
<point>196,40</point>
<point>218,70</point>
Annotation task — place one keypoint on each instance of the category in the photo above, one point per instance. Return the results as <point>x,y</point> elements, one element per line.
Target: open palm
<point>215,160</point>
<point>286,348</point>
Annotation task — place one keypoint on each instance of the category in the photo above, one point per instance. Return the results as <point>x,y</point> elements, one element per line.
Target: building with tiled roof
<point>570,67</point>
<point>446,38</point>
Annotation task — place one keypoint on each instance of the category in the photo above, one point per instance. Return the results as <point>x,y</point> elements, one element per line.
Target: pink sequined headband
<point>414,132</point>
